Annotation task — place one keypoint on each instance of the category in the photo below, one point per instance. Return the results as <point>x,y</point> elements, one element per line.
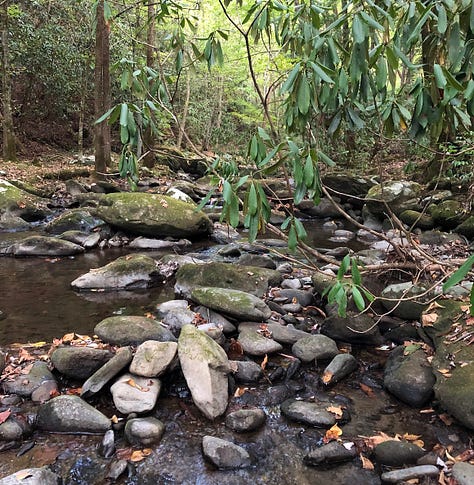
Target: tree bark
<point>148,138</point>
<point>184,114</point>
<point>9,140</point>
<point>102,92</point>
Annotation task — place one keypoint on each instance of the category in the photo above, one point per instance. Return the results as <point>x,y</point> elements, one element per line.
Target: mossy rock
<point>74,220</point>
<point>254,280</point>
<point>448,214</point>
<point>398,195</point>
<point>417,219</point>
<point>466,228</point>
<point>153,215</point>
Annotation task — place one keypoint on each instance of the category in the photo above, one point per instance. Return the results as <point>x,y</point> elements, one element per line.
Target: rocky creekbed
<point>246,375</point>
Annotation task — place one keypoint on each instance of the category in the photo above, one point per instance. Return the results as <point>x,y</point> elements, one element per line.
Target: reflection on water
<point>39,304</point>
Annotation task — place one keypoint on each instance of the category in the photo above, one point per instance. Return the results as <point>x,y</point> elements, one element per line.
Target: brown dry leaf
<point>132,383</point>
<point>336,410</point>
<point>427,411</point>
<point>22,474</point>
<point>366,463</point>
<point>69,337</point>
<point>123,453</point>
<point>26,369</point>
<point>54,393</point>
<point>332,434</point>
<point>24,356</point>
<point>4,415</point>
<point>427,319</point>
<point>327,376</point>
<point>235,349</point>
<point>373,441</point>
<point>446,418</point>
<point>240,391</point>
<point>164,203</point>
<point>465,455</point>
<point>470,321</point>
<point>368,390</point>
<point>114,419</point>
<point>264,362</point>
<point>445,372</point>
<point>139,455</point>
<point>76,391</point>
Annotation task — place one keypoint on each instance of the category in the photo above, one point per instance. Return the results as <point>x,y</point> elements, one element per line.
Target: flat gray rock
<point>79,362</point>
<point>286,334</point>
<point>132,330</point>
<point>32,476</point>
<point>331,454</point>
<point>44,246</point>
<point>153,358</point>
<point>311,413</point>
<point>224,454</point>
<point>245,420</point>
<point>315,347</point>
<point>254,343</point>
<point>70,414</point>
<point>108,371</point>
<point>398,476</point>
<point>157,244</point>
<point>134,394</point>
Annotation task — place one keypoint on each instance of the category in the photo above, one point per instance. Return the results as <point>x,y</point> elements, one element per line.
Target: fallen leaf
<point>76,391</point>
<point>132,383</point>
<point>240,391</point>
<point>368,390</point>
<point>366,463</point>
<point>470,321</point>
<point>235,349</point>
<point>465,455</point>
<point>446,418</point>
<point>4,415</point>
<point>114,419</point>
<point>22,474</point>
<point>326,377</point>
<point>164,203</point>
<point>445,372</point>
<point>410,348</point>
<point>332,434</point>
<point>336,410</point>
<point>373,441</point>
<point>139,455</point>
<point>264,362</point>
<point>68,337</point>
<point>427,319</point>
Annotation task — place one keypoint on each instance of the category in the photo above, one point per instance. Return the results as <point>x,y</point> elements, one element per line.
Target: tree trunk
<point>148,138</point>
<point>102,92</point>
<point>184,114</point>
<point>9,141</point>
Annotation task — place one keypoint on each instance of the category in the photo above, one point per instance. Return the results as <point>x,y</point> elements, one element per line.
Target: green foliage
<point>459,275</point>
<point>344,287</point>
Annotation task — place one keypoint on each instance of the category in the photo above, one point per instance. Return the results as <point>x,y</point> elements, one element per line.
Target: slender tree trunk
<point>9,141</point>
<point>148,138</point>
<point>102,92</point>
<point>184,114</point>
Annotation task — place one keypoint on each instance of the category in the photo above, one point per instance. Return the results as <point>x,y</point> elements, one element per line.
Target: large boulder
<point>448,214</point>
<point>398,195</point>
<point>205,367</point>
<point>125,273</point>
<point>74,220</point>
<point>250,279</point>
<point>348,185</point>
<point>153,215</point>
<point>237,304</point>
<point>21,203</point>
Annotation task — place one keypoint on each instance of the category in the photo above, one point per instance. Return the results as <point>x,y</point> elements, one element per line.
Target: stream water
<point>39,305</point>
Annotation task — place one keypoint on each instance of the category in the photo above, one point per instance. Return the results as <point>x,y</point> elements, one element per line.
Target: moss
<point>125,264</point>
<point>448,214</point>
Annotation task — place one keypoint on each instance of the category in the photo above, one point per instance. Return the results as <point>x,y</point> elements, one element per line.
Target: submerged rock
<point>310,413</point>
<point>245,420</point>
<point>70,414</point>
<point>125,273</point>
<point>224,454</point>
<point>152,215</point>
<point>205,367</point>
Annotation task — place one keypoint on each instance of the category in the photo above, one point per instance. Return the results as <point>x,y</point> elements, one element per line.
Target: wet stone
<point>397,453</point>
<point>463,473</point>
<point>286,334</point>
<point>397,476</point>
<point>107,447</point>
<point>32,476</point>
<point>132,330</point>
<point>247,371</point>
<point>25,384</point>
<point>339,367</point>
<point>79,362</point>
<point>245,420</point>
<point>153,358</point>
<point>224,454</point>
<point>70,414</point>
<point>144,431</point>
<point>109,370</point>
<point>313,347</point>
<point>354,328</point>
<point>309,413</point>
<point>216,318</point>
<point>254,343</point>
<point>303,297</point>
<point>291,284</point>
<point>177,318</point>
<point>292,307</point>
<point>13,430</point>
<point>134,394</point>
<point>331,454</point>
